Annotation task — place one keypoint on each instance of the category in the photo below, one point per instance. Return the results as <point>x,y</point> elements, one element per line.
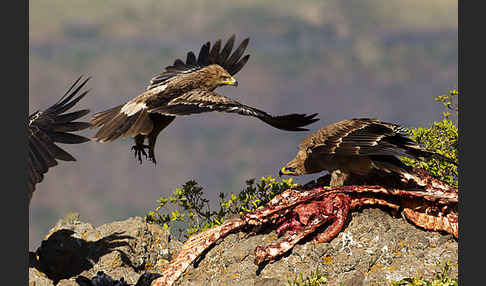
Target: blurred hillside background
<point>342,59</point>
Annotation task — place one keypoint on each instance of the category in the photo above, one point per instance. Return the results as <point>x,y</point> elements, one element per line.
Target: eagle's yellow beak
<point>284,171</point>
<point>232,81</point>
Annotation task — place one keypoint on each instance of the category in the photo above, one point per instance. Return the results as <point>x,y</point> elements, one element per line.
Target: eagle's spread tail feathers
<point>116,123</point>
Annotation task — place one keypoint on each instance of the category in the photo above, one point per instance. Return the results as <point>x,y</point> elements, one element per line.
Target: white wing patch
<point>133,107</point>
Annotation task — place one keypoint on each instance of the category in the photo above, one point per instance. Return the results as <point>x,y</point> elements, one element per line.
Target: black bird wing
<point>200,101</point>
<point>51,126</point>
<point>231,62</point>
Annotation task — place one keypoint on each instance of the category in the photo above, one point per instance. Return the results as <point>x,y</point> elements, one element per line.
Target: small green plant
<point>441,137</point>
<point>442,279</point>
<point>188,209</point>
<point>315,278</point>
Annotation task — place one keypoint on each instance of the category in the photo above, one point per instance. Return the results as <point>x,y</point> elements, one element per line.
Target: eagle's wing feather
<point>207,56</point>
<point>200,101</point>
<point>48,127</point>
<point>365,137</point>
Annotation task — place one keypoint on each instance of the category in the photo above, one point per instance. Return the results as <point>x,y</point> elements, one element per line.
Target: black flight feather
<point>48,127</point>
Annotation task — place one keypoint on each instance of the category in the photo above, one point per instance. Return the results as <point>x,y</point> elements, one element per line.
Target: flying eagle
<point>356,147</point>
<point>186,88</point>
<point>51,126</point>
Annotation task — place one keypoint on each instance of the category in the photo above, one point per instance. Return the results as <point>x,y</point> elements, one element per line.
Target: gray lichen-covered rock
<point>374,248</point>
<point>125,249</point>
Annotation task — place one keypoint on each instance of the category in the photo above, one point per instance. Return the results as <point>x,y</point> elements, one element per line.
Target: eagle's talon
<point>153,160</point>
<point>139,150</point>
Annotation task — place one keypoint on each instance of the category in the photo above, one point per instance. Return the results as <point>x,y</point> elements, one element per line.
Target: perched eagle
<point>186,88</point>
<point>351,149</point>
<point>51,126</point>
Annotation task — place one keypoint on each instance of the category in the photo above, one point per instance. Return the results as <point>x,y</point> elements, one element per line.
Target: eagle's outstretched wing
<point>51,126</point>
<point>366,137</point>
<point>231,62</point>
<point>199,101</point>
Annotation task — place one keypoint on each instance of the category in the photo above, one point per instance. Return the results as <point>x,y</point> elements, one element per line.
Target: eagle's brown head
<point>296,167</point>
<point>214,76</point>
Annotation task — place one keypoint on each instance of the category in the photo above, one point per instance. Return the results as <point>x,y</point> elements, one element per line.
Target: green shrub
<point>315,278</point>
<point>188,209</point>
<point>440,137</point>
<point>442,279</point>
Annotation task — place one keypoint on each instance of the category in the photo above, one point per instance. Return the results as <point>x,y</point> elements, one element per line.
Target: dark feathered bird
<point>186,88</point>
<point>101,279</point>
<point>51,126</point>
<point>356,147</point>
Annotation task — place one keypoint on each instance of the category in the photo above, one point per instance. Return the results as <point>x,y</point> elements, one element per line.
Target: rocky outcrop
<point>123,249</point>
<point>374,248</point>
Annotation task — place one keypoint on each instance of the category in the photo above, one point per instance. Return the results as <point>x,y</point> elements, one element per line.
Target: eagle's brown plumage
<point>51,126</point>
<point>186,88</point>
<point>356,147</point>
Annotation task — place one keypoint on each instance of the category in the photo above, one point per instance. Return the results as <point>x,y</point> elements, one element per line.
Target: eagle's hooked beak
<point>285,171</point>
<point>232,81</point>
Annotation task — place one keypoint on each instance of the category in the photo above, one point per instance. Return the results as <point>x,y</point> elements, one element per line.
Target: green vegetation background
<point>343,59</point>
